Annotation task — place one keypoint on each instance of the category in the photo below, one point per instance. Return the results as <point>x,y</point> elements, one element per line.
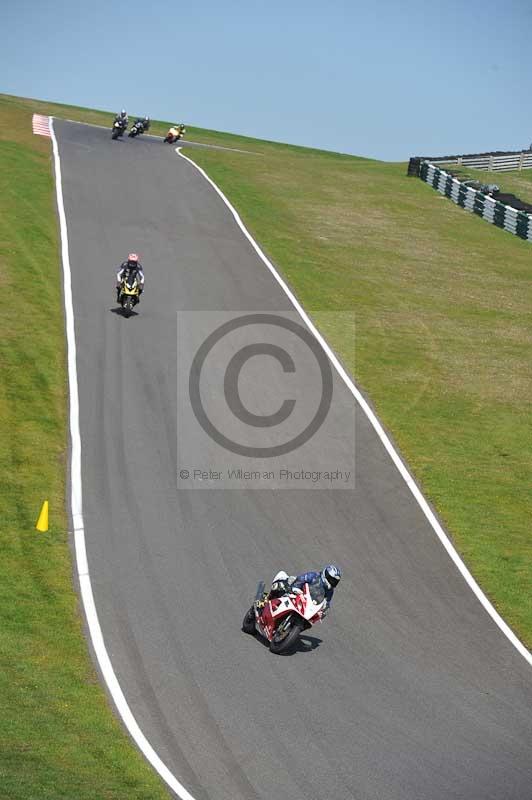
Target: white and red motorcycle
<point>281,620</point>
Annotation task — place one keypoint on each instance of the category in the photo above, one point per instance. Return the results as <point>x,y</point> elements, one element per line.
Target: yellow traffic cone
<point>42,522</point>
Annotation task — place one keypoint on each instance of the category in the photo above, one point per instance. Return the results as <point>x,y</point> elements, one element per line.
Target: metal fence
<point>493,162</point>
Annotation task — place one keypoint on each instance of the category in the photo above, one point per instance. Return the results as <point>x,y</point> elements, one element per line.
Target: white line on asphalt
<point>77,510</point>
<point>444,539</point>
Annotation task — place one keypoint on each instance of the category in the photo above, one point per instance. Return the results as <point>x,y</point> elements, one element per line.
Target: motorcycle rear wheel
<point>248,625</point>
<point>286,636</point>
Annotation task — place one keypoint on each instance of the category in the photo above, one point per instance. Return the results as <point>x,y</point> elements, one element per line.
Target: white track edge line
<point>87,596</point>
<point>405,474</point>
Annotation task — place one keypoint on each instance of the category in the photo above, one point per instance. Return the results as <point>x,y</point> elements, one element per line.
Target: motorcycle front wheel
<point>286,635</point>
<point>128,306</point>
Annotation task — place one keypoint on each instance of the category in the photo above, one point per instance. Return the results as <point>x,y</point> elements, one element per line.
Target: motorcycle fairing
<point>302,604</point>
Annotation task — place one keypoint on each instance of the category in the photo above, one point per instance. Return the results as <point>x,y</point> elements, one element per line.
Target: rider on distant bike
<point>142,124</point>
<point>131,265</point>
<point>122,119</point>
<point>328,579</point>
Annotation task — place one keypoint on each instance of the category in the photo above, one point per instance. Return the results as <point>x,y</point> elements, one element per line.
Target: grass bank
<point>58,737</point>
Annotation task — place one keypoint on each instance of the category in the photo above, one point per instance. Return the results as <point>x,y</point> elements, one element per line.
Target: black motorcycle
<point>118,129</point>
<point>137,129</point>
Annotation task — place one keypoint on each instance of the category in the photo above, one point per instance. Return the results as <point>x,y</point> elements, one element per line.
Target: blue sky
<point>387,79</point>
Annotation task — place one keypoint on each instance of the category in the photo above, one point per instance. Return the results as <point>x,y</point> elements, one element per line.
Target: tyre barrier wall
<point>510,219</point>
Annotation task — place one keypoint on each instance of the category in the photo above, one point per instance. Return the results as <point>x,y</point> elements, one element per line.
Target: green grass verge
<point>58,736</point>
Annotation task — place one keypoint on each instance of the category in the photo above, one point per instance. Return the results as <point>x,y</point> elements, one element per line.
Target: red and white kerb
<point>41,125</point>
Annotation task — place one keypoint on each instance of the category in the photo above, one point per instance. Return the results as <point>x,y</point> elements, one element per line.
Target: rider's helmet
<point>146,119</point>
<point>330,576</point>
<point>132,260</point>
<point>123,113</point>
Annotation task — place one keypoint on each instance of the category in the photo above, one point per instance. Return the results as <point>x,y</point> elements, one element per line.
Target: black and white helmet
<point>331,576</point>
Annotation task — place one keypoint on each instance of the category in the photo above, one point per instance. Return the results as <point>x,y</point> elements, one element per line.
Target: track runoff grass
<point>58,735</point>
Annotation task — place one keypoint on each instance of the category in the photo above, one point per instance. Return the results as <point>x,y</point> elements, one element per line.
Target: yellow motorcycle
<point>129,293</point>
<point>175,133</point>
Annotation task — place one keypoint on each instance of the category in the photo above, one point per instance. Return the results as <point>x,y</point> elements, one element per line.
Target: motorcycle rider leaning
<point>122,118</point>
<point>328,579</point>
<point>131,265</point>
<point>143,123</point>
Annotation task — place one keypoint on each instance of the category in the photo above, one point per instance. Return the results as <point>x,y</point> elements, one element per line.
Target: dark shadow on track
<point>121,313</point>
<point>305,644</point>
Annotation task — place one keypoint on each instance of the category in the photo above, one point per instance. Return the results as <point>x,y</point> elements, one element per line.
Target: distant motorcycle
<point>281,620</point>
<point>175,133</point>
<point>118,129</point>
<point>129,294</point>
<point>136,129</point>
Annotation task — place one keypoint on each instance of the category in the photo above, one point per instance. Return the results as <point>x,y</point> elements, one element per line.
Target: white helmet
<point>331,576</point>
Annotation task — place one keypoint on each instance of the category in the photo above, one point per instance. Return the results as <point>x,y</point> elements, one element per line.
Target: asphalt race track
<point>409,691</point>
